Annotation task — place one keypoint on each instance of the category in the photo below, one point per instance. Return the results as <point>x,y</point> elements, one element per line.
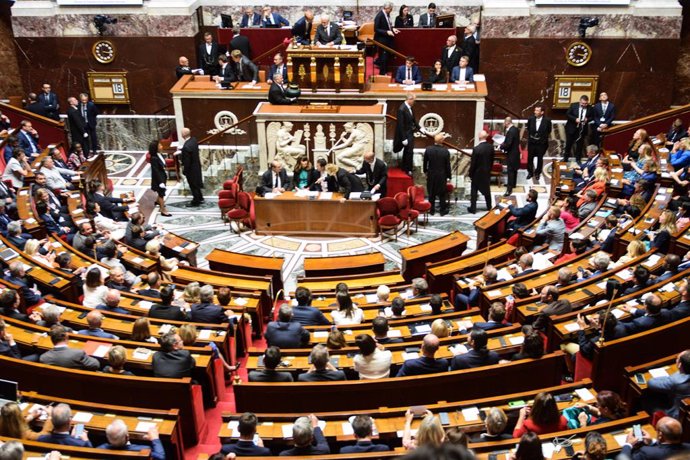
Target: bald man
<point>668,443</point>
<point>405,128</point>
<point>183,67</point>
<point>189,156</point>
<point>480,171</point>
<point>95,319</point>
<point>274,180</point>
<point>427,363</point>
<point>376,172</point>
<point>436,166</point>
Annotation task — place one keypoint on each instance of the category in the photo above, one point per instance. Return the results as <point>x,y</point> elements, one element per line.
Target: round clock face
<point>578,54</point>
<point>103,51</point>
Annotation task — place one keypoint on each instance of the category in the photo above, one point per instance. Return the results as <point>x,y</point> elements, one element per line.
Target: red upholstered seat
<point>242,214</point>
<point>405,212</point>
<point>388,212</point>
<point>227,199</point>
<point>389,220</point>
<point>418,203</point>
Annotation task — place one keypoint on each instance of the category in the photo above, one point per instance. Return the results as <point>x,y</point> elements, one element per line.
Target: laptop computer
<point>8,392</point>
<point>225,21</point>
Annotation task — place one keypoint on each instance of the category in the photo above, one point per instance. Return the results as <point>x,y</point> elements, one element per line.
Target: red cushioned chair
<point>227,199</point>
<point>242,213</point>
<point>405,212</point>
<point>237,179</point>
<point>419,204</point>
<point>387,210</point>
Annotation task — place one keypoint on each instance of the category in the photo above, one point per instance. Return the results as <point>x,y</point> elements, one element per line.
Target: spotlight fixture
<point>586,23</point>
<point>101,21</point>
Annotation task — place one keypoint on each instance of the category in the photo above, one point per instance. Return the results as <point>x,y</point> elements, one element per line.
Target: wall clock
<point>578,54</point>
<point>103,51</point>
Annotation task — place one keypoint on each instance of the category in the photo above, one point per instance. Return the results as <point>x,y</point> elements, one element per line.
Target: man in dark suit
<point>250,18</point>
<point>427,363</point>
<point>478,356</point>
<point>308,438</point>
<point>240,68</point>
<point>347,181</point>
<point>153,280</point>
<point>63,356</point>
<point>206,311</point>
<point>376,172</point>
<point>321,368</point>
<point>8,347</point>
<point>451,53</point>
<point>172,361</point>
<point>89,114</point>
<point>437,169</point>
<point>28,138</point>
<point>245,446</point>
<point>480,171</point>
<point>272,358</point>
<point>274,180</point>
<point>682,308</point>
<point>526,214</point>
<point>327,33</point>
<point>33,106</point>
<point>362,426</point>
<point>428,19</point>
<point>164,309</point>
<point>304,313</point>
<point>112,301</point>
<point>27,290</point>
<point>191,164</point>
<point>462,73</point>
<point>207,55</point>
<point>77,126</point>
<point>276,93</point>
<point>538,131</point>
<point>668,443</point>
<point>511,147</point>
<point>183,69</point>
<point>470,47</point>
<point>408,74</point>
<point>380,328</point>
<point>286,333</point>
<point>301,30</point>
<point>61,416</point>
<point>278,66</point>
<point>384,33</point>
<point>405,127</point>
<point>50,103</point>
<point>240,42</point>
<point>111,207</point>
<point>95,320</point>
<point>271,19</point>
<point>497,315</point>
<point>648,318</point>
<point>603,114</point>
<point>579,116</point>
<point>118,439</point>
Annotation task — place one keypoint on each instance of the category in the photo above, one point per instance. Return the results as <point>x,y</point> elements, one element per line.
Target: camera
<point>101,20</point>
<point>586,23</point>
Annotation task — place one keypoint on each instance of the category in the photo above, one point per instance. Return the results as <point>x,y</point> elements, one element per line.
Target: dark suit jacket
<point>269,375</point>
<point>104,307</point>
<point>324,375</point>
<point>157,450</point>
<point>540,137</point>
<point>274,69</point>
<point>553,309</point>
<point>309,316</point>
<point>422,366</point>
<point>182,70</point>
<point>480,165</point>
<point>158,174</point>
<point>511,146</point>
<point>402,23</point>
<point>70,358</point>
<point>348,182</point>
<point>170,312</point>
<point>319,448</point>
<point>191,162</point>
<point>489,325</point>
<point>100,333</point>
<point>426,21</point>
<point>175,364</point>
<point>378,177</point>
<point>91,113</point>
<point>286,335</point>
<point>646,322</point>
<point>324,38</point>
<point>680,311</point>
<point>50,104</point>
<point>471,50</point>
<point>64,439</point>
<point>207,60</point>
<point>37,108</point>
<point>25,284</point>
<point>276,95</point>
<point>451,61</point>
<point>76,122</point>
<point>401,74</point>
<point>110,205</point>
<point>207,313</point>
<point>267,181</point>
<point>598,114</point>
<point>655,451</point>
<point>254,21</point>
<point>243,448</point>
<point>25,144</point>
<point>277,20</point>
<point>302,31</point>
<point>11,351</point>
<point>364,446</point>
<point>473,359</point>
<point>241,42</point>
<point>573,114</point>
<point>381,28</point>
<point>524,215</point>
<point>455,74</point>
<point>405,127</point>
<point>249,70</point>
<point>436,166</point>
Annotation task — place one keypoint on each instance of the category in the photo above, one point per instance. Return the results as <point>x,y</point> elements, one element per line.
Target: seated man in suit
<point>118,439</point>
<point>427,363</point>
<point>62,418</point>
<point>278,66</point>
<point>301,31</point>
<point>245,446</point>
<point>555,307</point>
<point>274,180</point>
<point>308,438</point>
<point>640,280</point>
<point>478,356</point>
<point>271,19</point>
<point>9,306</point>
<point>286,332</point>
<point>362,426</point>
<point>172,361</point>
<point>409,73</point>
<point>250,18</point>
<point>276,93</point>
<point>670,267</point>
<point>153,280</point>
<point>462,73</point>
<point>526,214</point>
<point>648,318</point>
<point>111,207</point>
<point>272,358</point>
<point>63,356</point>
<point>327,33</point>
<point>206,311</point>
<point>682,309</point>
<point>321,368</point>
<point>380,327</point>
<point>464,301</point>
<point>165,309</point>
<point>497,314</point>
<point>95,320</point>
<point>668,444</point>
<point>324,183</point>
<point>304,313</point>
<point>27,288</point>
<point>376,172</point>
<point>8,347</point>
<point>670,390</point>
<point>112,302</point>
<point>238,68</point>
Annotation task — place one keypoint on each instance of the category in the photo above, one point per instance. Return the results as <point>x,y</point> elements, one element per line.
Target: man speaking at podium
<point>276,93</point>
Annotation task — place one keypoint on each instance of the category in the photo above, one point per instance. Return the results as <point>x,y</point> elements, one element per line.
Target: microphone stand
<point>606,317</point>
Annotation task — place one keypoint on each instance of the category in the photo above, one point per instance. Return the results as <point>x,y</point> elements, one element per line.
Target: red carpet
<point>398,181</point>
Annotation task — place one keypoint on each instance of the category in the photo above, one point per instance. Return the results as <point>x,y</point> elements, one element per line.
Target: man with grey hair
<point>112,302</point>
<point>552,229</point>
<point>27,288</point>
<point>480,171</point>
<point>172,361</point>
<point>588,205</point>
<point>384,33</point>
<point>327,33</point>
<point>286,333</point>
<point>525,264</point>
<point>14,235</point>
<point>308,438</point>
<point>495,423</point>
<point>321,370</point>
<point>118,439</point>
<point>470,47</point>
<point>405,127</point>
<point>600,263</point>
<point>382,293</point>
<point>61,418</point>
<point>206,311</point>
<point>51,316</point>
<point>420,288</point>
<point>95,320</point>
<point>276,93</point>
<point>565,277</point>
<point>191,164</point>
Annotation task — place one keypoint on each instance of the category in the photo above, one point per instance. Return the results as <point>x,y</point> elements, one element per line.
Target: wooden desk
<point>344,265</point>
<point>179,247</point>
<point>326,68</point>
<point>288,214</point>
<point>246,264</point>
<point>25,213</point>
<point>446,247</point>
<point>326,285</point>
<point>492,225</point>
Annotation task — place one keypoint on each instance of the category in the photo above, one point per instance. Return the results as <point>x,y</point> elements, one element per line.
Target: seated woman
<point>13,424</point>
<point>541,417</point>
<point>33,247</point>
<point>430,431</point>
<point>105,225</point>
<point>347,313</point>
<point>404,18</point>
<point>189,335</point>
<point>373,361</point>
<point>438,74</point>
<point>304,174</point>
<point>529,448</point>
<point>569,213</point>
<point>598,184</point>
<point>532,347</point>
<point>440,328</point>
<point>336,340</point>
<point>141,331</point>
<point>667,228</point>
<point>648,173</point>
<point>640,138</point>
<point>576,248</point>
<point>167,265</point>
<point>94,289</point>
<point>609,407</point>
<point>117,358</point>
<point>76,157</point>
<point>495,424</point>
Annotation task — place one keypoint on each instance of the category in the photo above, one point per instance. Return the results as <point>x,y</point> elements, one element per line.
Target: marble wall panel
<point>128,25</point>
<point>10,83</point>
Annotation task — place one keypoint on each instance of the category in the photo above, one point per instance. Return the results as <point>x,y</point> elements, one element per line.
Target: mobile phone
<point>639,378</point>
<point>518,403</point>
<point>83,315</point>
<point>637,431</point>
<point>418,410</point>
<point>482,415</point>
<point>566,397</point>
<point>443,416</point>
<point>569,450</point>
<point>580,269</point>
<point>493,457</point>
<point>78,430</point>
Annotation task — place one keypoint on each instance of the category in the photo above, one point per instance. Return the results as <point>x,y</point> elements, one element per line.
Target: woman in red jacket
<point>543,417</point>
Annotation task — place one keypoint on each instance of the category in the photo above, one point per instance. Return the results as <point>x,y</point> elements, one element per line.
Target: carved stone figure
<point>287,145</point>
<point>353,144</point>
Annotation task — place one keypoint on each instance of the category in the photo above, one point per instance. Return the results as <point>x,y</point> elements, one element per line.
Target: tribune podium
<point>338,68</point>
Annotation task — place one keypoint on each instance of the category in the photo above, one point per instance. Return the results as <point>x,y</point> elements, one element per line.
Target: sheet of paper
<point>426,308</point>
<point>406,294</point>
<point>584,394</point>
<point>145,305</point>
<point>470,414</point>
<point>572,327</point>
<point>494,293</point>
<point>517,340</point>
<point>137,260</point>
<point>355,195</point>
<point>440,87</point>
<point>547,449</point>
<point>651,260</point>
<point>394,333</point>
<point>407,355</point>
<point>82,417</point>
<point>625,274</point>
<point>504,274</point>
<point>423,328</point>
<point>479,77</point>
<point>232,425</point>
<point>141,355</point>
<point>458,349</point>
<point>143,427</point>
<point>668,287</point>
<point>620,439</point>
<point>347,429</point>
<point>322,424</point>
<point>240,301</point>
<point>464,325</point>
<point>658,372</point>
<point>320,334</point>
<point>101,351</point>
<point>287,431</point>
<point>371,298</point>
<point>164,329</point>
<point>325,195</point>
<point>205,334</point>
<point>617,313</point>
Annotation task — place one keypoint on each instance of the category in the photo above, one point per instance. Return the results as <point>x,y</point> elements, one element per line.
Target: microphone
<point>606,316</point>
